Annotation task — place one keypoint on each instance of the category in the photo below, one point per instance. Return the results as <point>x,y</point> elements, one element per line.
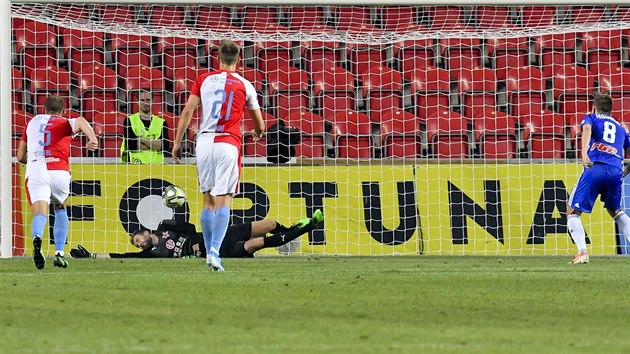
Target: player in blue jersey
<point>604,141</point>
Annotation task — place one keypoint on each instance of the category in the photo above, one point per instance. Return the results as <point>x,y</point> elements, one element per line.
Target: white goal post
<point>491,182</point>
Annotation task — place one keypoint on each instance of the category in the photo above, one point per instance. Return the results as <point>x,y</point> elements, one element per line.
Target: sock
<point>39,221</point>
<point>207,220</point>
<point>219,227</point>
<point>60,230</point>
<point>623,222</point>
<point>280,239</point>
<point>576,230</point>
<point>279,228</point>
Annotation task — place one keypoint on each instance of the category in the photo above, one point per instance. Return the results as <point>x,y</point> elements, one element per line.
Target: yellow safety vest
<point>153,133</point>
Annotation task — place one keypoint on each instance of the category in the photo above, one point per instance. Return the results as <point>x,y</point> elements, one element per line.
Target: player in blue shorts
<point>604,141</point>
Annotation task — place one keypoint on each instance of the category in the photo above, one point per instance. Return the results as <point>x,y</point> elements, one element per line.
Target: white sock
<point>576,230</point>
<point>623,222</point>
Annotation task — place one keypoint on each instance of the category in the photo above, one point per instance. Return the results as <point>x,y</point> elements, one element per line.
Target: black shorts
<point>235,237</point>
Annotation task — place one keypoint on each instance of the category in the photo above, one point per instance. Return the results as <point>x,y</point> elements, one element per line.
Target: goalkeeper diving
<point>174,239</point>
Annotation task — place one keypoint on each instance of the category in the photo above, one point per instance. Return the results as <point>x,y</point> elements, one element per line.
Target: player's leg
<point>611,196</point>
<point>261,228</point>
<point>207,219</point>
<point>38,195</point>
<point>581,200</point>
<point>227,169</point>
<point>205,174</point>
<point>60,190</point>
<point>300,228</point>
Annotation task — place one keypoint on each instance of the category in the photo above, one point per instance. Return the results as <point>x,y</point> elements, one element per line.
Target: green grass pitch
<point>317,305</point>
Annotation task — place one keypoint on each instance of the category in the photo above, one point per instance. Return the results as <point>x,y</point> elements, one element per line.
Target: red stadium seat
<point>313,133</point>
<point>98,90</point>
<point>537,16</point>
<point>273,55</point>
<point>305,17</point>
<point>444,17</point>
<point>210,17</point>
<point>622,13</point>
<point>616,82</point>
<point>477,88</point>
<point>115,13</point>
<point>177,53</point>
<point>496,133</point>
<point>431,90</point>
<point>30,10</point>
<point>526,90</point>
<point>36,45</point>
<point>333,90</point>
<point>17,89</point>
<point>508,54</point>
<point>413,54</point>
<point>19,120</point>
<point>461,53</point>
<point>602,50</point>
<point>46,81</point>
<point>383,89</point>
<point>352,16</point>
<point>447,134</point>
<point>573,89</point>
<point>182,84</point>
<point>255,17</point>
<point>83,47</point>
<point>492,17</point>
<point>587,14</point>
<point>352,132</point>
<point>398,18</point>
<point>319,54</point>
<point>555,50</point>
<point>253,148</point>
<point>544,134</point>
<point>171,122</point>
<point>288,90</point>
<point>169,16</point>
<point>73,12</point>
<point>130,51</point>
<point>400,134</point>
<point>362,57</point>
<point>144,78</point>
<point>109,123</point>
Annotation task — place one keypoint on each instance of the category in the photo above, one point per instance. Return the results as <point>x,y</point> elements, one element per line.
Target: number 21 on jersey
<point>215,112</point>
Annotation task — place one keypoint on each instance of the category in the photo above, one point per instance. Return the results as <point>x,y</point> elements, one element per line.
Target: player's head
<point>144,101</point>
<point>142,239</point>
<point>54,105</point>
<point>228,52</point>
<point>603,104</point>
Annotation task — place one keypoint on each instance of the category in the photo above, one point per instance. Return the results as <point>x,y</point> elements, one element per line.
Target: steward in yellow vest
<point>153,133</point>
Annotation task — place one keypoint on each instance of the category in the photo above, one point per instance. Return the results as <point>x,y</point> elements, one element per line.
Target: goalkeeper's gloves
<point>81,252</point>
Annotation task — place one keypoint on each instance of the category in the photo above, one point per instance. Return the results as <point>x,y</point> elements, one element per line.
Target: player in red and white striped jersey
<point>45,149</point>
<point>223,95</point>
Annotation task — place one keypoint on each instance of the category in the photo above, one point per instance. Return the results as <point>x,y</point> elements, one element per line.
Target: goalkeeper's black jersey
<point>172,244</point>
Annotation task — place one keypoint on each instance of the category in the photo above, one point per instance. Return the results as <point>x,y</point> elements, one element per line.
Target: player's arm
<point>586,139</point>
<point>259,124</point>
<point>182,125</point>
<point>21,152</point>
<point>82,125</point>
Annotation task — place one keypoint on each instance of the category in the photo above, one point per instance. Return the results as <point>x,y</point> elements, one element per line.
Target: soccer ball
<point>173,196</point>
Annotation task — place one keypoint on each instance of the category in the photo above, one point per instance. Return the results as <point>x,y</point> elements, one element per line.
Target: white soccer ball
<point>173,196</point>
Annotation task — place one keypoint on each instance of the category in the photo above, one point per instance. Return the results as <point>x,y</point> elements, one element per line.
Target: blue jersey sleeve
<point>626,142</point>
<point>587,120</point>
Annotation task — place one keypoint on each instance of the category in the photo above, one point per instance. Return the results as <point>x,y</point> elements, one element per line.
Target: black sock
<point>279,228</point>
<point>287,236</point>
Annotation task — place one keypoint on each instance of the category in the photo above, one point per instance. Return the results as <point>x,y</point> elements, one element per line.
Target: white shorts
<point>49,186</point>
<point>218,167</point>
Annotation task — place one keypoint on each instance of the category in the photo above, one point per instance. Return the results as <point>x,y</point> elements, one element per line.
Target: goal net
<point>424,129</point>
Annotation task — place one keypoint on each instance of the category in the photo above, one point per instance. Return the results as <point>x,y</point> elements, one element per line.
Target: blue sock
<point>39,221</point>
<point>221,223</point>
<point>207,220</point>
<point>60,230</point>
